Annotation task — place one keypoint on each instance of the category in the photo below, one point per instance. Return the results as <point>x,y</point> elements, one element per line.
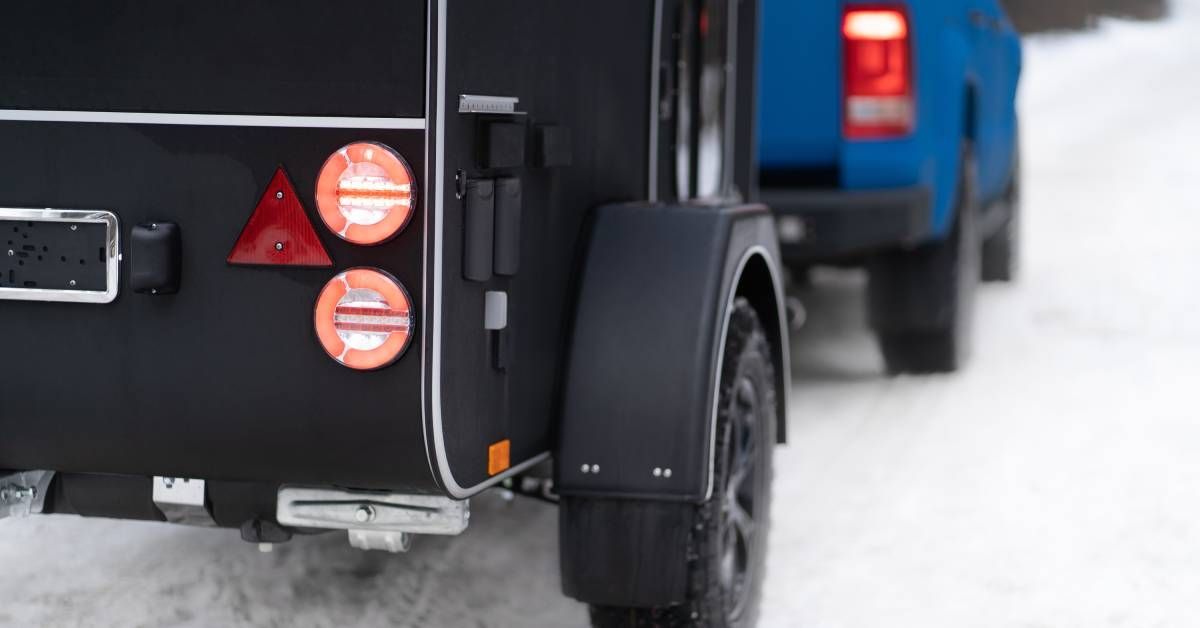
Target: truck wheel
<point>1001,250</point>
<point>728,543</point>
<point>922,300</point>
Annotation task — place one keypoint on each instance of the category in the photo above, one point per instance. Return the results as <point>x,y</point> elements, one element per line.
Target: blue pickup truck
<point>889,139</point>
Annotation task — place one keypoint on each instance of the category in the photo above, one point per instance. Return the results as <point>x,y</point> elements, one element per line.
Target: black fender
<point>656,289</point>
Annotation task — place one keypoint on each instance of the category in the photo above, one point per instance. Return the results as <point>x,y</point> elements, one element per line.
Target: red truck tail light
<point>366,193</point>
<point>878,74</point>
<point>363,319</point>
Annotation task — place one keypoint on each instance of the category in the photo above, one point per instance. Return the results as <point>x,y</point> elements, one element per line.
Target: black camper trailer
<point>311,266</point>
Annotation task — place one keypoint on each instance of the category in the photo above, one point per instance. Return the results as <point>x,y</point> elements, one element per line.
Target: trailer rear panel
<point>223,380</point>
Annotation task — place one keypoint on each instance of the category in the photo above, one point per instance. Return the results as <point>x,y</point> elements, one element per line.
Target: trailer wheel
<point>1001,250</point>
<point>727,548</point>
<point>922,300</point>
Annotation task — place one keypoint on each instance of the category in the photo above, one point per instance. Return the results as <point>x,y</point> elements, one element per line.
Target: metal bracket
<point>181,500</point>
<point>495,105</point>
<point>367,515</point>
<point>24,493</point>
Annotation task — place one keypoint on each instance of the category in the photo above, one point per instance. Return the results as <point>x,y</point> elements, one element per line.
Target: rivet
<point>11,252</point>
<point>595,468</point>
<point>71,283</point>
<point>666,473</point>
<point>278,246</point>
<point>585,468</point>
<point>74,227</point>
<point>657,472</point>
<point>279,194</point>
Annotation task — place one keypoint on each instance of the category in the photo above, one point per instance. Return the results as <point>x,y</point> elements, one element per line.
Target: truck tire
<point>1001,250</point>
<point>922,300</point>
<point>725,559</point>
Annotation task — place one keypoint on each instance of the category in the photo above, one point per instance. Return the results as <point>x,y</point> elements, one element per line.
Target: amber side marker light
<point>363,318</point>
<point>366,193</point>
<point>498,456</point>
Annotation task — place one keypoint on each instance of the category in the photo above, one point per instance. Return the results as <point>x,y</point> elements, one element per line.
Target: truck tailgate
<point>799,105</point>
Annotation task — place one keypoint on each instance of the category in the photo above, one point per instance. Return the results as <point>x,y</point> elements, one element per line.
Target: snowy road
<point>1055,483</point>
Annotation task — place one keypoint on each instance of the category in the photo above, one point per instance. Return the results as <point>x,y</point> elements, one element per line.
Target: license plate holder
<point>69,255</point>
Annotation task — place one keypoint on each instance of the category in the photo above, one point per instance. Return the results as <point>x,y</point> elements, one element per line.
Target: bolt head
<point>364,514</point>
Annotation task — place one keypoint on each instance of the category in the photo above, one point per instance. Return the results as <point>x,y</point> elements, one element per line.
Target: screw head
<point>71,283</point>
<point>585,468</point>
<point>364,514</point>
<point>278,246</point>
<point>657,472</point>
<point>279,194</point>
<point>595,468</point>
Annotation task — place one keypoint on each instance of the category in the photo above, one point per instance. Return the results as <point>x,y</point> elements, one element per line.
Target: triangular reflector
<point>279,232</point>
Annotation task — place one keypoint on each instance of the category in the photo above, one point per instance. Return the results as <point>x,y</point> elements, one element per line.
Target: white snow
<point>1053,483</point>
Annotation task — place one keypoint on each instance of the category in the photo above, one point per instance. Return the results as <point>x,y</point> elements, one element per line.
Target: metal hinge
<point>24,493</point>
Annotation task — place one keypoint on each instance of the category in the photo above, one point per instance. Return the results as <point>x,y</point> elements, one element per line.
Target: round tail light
<point>364,318</point>
<point>366,193</point>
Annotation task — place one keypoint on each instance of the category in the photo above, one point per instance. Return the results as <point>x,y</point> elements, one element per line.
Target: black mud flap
<point>635,445</point>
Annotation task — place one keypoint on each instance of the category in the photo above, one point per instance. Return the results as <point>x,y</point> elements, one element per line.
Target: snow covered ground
<point>1055,483</point>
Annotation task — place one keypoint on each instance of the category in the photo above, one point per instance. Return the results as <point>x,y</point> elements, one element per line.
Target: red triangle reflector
<point>279,232</point>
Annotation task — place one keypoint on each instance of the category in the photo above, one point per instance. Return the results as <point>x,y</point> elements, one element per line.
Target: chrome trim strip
<point>785,349</point>
<point>112,261</point>
<point>432,192</point>
<point>655,86</point>
<point>205,119</point>
<point>731,83</point>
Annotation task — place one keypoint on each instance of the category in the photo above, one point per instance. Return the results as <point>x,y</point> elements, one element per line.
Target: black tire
<point>1001,255</point>
<point>726,561</point>
<point>922,300</point>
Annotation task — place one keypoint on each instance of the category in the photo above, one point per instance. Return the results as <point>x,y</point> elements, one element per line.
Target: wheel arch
<point>645,352</point>
<point>760,282</point>
<point>636,446</point>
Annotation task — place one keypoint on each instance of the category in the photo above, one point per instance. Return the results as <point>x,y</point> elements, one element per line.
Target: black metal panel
<point>315,57</point>
<point>224,380</point>
<point>583,68</point>
<point>643,363</point>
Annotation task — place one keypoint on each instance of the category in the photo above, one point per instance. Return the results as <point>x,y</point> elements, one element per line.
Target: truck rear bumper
<point>828,225</point>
